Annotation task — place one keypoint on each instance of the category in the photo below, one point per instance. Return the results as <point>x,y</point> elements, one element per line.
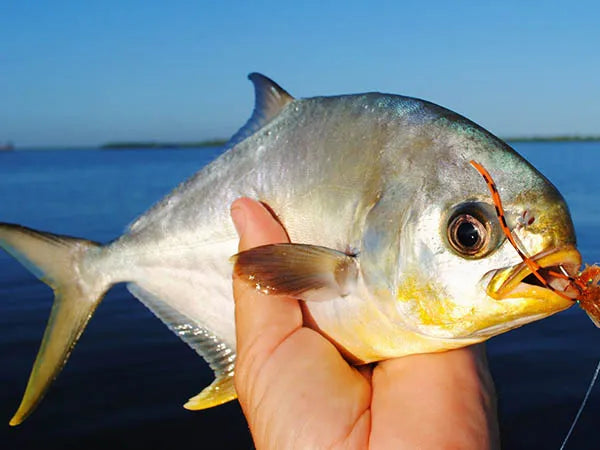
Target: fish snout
<point>546,276</point>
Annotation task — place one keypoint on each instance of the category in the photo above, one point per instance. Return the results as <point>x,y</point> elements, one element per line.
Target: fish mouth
<point>520,282</point>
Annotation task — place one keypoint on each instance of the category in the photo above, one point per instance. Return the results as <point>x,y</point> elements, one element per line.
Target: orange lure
<point>586,282</point>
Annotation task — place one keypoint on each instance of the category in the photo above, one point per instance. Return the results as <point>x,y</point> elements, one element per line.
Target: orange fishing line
<point>533,266</point>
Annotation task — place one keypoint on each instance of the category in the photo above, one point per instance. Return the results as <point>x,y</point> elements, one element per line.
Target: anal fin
<point>218,354</point>
<point>220,391</point>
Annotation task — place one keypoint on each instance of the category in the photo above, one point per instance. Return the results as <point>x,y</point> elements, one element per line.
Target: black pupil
<point>467,234</point>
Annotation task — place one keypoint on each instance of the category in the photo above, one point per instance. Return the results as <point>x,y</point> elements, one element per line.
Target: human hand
<point>297,391</point>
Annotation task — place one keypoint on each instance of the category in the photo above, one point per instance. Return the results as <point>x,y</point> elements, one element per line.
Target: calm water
<point>128,376</point>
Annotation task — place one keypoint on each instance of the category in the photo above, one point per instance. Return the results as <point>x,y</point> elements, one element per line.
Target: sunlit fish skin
<point>401,250</point>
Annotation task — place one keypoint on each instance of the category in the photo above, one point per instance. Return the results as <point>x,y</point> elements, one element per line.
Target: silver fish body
<point>374,176</point>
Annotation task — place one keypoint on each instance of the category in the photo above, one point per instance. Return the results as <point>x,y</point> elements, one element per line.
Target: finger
<point>448,389</point>
<point>255,224</point>
<point>366,371</point>
<point>262,321</point>
<point>282,369</point>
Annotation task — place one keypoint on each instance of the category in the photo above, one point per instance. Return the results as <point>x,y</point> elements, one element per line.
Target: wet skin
<point>297,391</point>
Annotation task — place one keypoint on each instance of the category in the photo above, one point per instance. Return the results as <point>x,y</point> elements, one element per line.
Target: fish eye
<point>470,232</point>
<point>467,235</point>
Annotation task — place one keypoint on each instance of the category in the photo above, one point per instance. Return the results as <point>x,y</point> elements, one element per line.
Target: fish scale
<point>369,188</point>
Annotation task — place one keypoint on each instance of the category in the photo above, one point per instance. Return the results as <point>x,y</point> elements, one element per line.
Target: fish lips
<point>518,281</point>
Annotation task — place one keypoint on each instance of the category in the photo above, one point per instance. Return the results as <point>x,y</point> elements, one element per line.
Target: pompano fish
<point>397,249</point>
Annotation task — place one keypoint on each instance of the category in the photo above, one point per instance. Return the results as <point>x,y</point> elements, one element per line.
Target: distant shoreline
<point>221,142</point>
<point>162,145</point>
<point>565,138</point>
<point>149,145</point>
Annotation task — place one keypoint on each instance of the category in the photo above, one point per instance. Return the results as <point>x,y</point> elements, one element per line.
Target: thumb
<point>262,321</point>
<point>255,225</point>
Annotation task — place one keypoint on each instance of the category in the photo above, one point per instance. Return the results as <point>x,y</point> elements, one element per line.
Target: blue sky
<point>83,73</point>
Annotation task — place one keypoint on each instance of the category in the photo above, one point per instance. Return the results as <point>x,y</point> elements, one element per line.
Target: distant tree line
<point>221,142</point>
<point>560,138</point>
<point>155,144</point>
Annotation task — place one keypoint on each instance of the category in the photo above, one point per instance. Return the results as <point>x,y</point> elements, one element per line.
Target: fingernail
<point>239,219</point>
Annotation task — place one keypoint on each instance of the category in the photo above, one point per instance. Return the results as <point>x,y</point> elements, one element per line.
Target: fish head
<point>435,250</point>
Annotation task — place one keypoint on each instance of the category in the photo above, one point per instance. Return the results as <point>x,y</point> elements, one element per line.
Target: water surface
<point>128,376</point>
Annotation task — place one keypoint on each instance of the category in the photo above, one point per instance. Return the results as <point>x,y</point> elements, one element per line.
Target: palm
<point>297,391</point>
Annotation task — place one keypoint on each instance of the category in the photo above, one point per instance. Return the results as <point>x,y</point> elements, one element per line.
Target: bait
<point>586,283</point>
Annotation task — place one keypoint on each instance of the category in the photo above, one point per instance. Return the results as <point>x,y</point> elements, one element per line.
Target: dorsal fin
<point>270,100</point>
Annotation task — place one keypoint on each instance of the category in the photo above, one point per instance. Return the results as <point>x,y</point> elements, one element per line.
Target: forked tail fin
<point>66,264</point>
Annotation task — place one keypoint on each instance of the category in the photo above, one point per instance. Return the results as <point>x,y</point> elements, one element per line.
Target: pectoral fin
<point>307,272</point>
